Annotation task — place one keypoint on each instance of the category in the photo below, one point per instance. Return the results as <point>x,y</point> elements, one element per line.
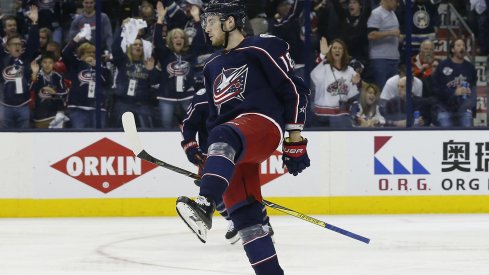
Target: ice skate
<point>197,214</point>
<point>232,234</point>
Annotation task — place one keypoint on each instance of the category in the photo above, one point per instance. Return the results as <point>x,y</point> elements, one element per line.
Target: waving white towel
<point>86,32</point>
<point>130,31</point>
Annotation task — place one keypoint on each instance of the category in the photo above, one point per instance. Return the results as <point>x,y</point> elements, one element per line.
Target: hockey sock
<point>221,208</point>
<point>225,146</point>
<point>217,175</point>
<point>260,250</point>
<point>257,243</point>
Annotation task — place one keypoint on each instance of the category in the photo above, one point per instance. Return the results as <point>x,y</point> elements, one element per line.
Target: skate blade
<point>234,239</point>
<point>194,223</point>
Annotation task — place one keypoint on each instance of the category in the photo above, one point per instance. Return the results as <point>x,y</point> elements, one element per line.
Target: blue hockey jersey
<point>448,77</point>
<point>15,72</point>
<point>82,93</point>
<point>256,77</point>
<point>194,122</point>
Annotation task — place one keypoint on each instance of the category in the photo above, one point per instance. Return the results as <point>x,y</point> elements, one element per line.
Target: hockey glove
<point>193,151</point>
<point>294,156</point>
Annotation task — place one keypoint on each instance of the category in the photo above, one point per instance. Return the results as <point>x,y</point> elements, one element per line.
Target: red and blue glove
<point>193,152</point>
<point>294,156</point>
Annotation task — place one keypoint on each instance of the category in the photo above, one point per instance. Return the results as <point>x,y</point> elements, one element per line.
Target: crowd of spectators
<point>153,53</point>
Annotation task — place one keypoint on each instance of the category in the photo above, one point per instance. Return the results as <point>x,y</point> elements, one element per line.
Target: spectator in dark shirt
<point>479,23</point>
<point>424,22</point>
<point>14,65</point>
<point>288,27</point>
<point>134,76</point>
<point>454,86</point>
<point>353,27</point>
<point>176,88</point>
<point>328,20</point>
<point>199,44</point>
<point>49,94</point>
<point>80,62</point>
<point>148,14</point>
<point>49,16</point>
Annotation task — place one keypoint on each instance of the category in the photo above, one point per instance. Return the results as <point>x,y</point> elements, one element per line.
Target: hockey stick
<point>312,220</point>
<point>130,130</point>
<point>129,125</point>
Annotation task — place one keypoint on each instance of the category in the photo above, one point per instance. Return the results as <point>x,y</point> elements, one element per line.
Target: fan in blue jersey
<point>82,100</point>
<point>134,75</point>
<point>14,77</point>
<point>454,85</point>
<point>175,88</point>
<point>254,96</point>
<point>49,94</point>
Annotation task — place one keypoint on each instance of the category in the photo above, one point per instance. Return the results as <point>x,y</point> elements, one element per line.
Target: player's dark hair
<point>225,9</point>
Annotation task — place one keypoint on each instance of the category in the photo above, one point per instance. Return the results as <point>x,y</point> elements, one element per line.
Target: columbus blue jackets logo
<point>176,68</point>
<point>457,81</point>
<point>45,93</point>
<point>421,19</point>
<point>85,77</point>
<point>339,87</point>
<point>10,73</point>
<point>230,84</point>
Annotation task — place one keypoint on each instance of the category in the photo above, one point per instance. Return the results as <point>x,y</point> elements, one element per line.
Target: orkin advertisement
<point>103,165</point>
<point>419,163</point>
<point>100,165</point>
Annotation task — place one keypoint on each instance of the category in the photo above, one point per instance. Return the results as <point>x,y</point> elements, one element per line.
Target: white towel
<point>130,32</point>
<point>478,5</point>
<point>147,49</point>
<point>86,32</point>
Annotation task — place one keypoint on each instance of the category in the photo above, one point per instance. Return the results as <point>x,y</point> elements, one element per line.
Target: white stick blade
<point>129,125</point>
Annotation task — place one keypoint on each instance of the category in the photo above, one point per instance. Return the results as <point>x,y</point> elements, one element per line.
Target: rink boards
<point>352,172</point>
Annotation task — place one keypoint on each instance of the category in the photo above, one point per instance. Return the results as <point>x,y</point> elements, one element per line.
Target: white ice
<point>400,244</point>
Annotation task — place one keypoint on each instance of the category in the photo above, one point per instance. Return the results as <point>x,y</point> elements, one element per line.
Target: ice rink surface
<point>400,245</point>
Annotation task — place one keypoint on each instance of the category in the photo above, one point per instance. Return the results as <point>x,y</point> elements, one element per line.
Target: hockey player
<point>194,125</point>
<point>253,97</point>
